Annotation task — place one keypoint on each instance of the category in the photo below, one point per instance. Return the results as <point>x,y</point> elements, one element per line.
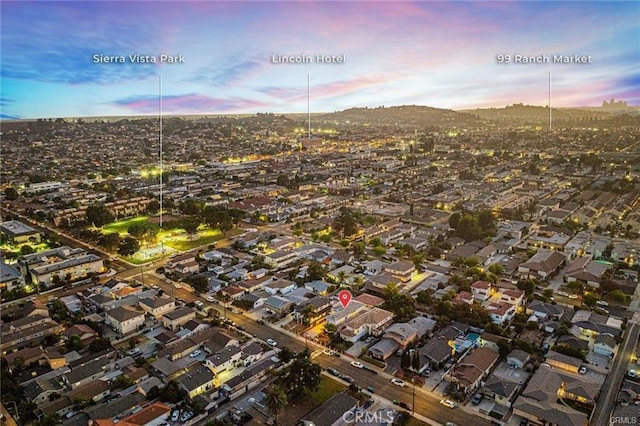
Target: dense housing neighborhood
<point>492,269</point>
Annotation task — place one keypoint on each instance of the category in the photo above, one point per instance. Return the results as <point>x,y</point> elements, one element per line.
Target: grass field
<point>122,226</point>
<point>328,388</point>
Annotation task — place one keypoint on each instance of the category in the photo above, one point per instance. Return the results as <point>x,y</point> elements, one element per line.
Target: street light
<point>413,396</point>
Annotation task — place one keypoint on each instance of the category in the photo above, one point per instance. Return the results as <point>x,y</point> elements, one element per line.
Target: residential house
<point>515,297</point>
<point>544,310</point>
<point>564,362</point>
<point>481,291</point>
<point>332,412</point>
<point>197,381</point>
<point>501,312</point>
<point>281,286</point>
<point>365,322</point>
<point>470,370</point>
<point>313,310</point>
<point>605,344</point>
<point>158,306</point>
<point>39,390</point>
<point>173,320</point>
<point>518,358</point>
<point>224,359</point>
<point>542,265</point>
<point>383,349</point>
<point>501,391</point>
<point>401,270</point>
<point>82,374</point>
<point>278,305</point>
<point>318,287</point>
<point>539,402</point>
<point>124,319</point>
<point>10,277</point>
<point>280,259</point>
<point>86,333</point>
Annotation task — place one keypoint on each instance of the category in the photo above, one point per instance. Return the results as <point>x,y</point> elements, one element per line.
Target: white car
<point>209,298</point>
<point>186,416</point>
<point>448,403</point>
<point>272,342</point>
<point>357,364</point>
<point>397,382</point>
<point>582,370</point>
<point>195,353</point>
<point>631,373</point>
<point>175,416</point>
<point>199,303</point>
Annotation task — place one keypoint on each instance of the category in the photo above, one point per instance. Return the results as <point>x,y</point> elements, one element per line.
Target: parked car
<point>333,372</point>
<point>209,298</point>
<point>198,303</point>
<point>272,342</point>
<point>186,416</point>
<point>195,353</point>
<point>175,415</point>
<point>357,364</point>
<point>477,398</point>
<point>448,403</point>
<point>582,370</point>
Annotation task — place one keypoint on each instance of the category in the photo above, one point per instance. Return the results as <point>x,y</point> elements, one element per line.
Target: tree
<point>301,376</point>
<point>172,392</point>
<point>454,220</point>
<point>590,299</point>
<point>618,296</point>
<point>123,381</point>
<point>275,400</point>
<point>286,354</point>
<point>128,246</point>
<point>100,344</point>
<point>10,194</point>
<point>330,329</point>
<point>379,250</point>
<point>51,419</point>
<point>137,231</point>
<point>200,283</point>
<point>98,215</point>
<point>74,343</point>
<point>316,271</point>
<point>110,241</point>
<point>358,248</point>
<point>26,249</point>
<point>345,223</point>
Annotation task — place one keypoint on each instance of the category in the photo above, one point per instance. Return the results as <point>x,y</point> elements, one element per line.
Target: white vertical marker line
<point>309,104</point>
<point>550,114</point>
<point>160,141</point>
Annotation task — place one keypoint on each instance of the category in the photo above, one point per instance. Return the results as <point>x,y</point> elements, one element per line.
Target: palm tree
<point>275,399</point>
<point>357,283</point>
<point>307,312</point>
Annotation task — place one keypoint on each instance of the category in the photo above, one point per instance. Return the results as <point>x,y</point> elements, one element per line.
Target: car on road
<point>397,382</point>
<point>450,424</point>
<point>261,322</point>
<point>329,352</point>
<point>209,298</point>
<point>369,339</point>
<point>199,303</point>
<point>195,353</point>
<point>357,364</point>
<point>348,379</point>
<point>632,373</point>
<point>175,415</point>
<point>368,404</point>
<point>448,403</point>
<point>333,372</point>
<point>582,370</point>
<point>477,398</point>
<point>272,342</point>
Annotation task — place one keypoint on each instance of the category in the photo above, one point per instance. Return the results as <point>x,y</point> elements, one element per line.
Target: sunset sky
<point>438,53</point>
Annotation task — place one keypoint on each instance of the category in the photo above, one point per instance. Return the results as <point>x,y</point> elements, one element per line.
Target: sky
<point>435,53</point>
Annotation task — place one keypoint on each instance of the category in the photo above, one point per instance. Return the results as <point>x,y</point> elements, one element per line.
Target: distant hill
<point>404,116</point>
<point>539,115</point>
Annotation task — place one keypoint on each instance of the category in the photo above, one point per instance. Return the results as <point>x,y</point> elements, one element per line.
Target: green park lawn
<point>122,226</point>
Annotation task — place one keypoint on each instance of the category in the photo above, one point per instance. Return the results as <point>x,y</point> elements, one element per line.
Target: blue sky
<point>440,54</point>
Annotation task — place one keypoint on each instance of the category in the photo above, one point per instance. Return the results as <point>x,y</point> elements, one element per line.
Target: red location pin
<point>345,297</point>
